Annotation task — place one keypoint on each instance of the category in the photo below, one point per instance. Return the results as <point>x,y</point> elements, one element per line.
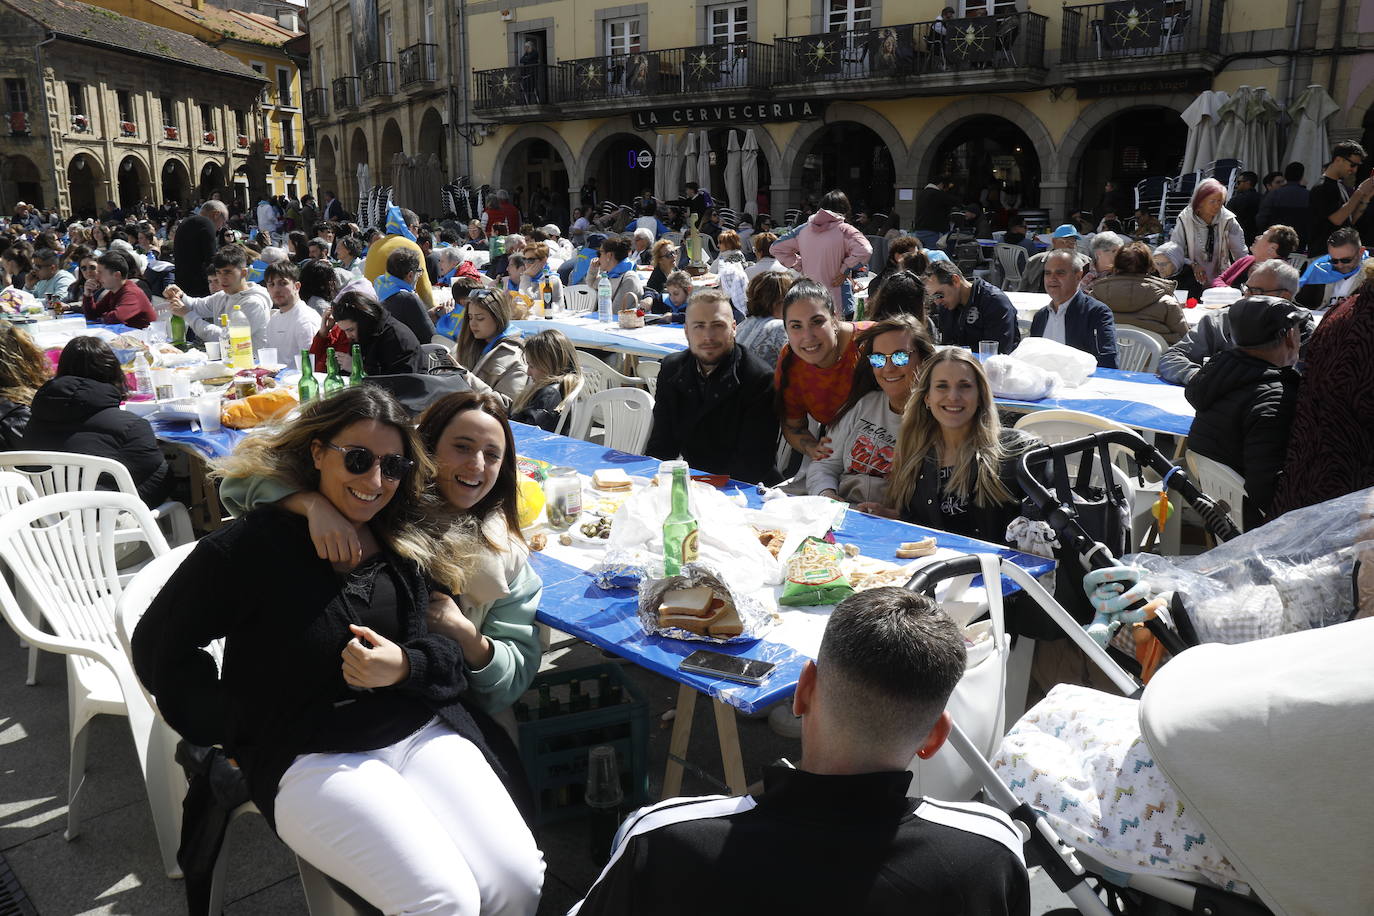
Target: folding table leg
<point>677,745</point>
<point>727,731</point>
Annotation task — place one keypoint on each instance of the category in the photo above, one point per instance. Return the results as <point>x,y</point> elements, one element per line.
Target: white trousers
<point>422,826</point>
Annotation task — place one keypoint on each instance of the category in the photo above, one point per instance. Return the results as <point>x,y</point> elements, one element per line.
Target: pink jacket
<point>823,248</point>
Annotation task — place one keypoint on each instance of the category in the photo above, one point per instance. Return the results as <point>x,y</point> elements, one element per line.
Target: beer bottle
<point>357,375</point>
<point>680,527</point>
<point>333,381</point>
<point>307,388</point>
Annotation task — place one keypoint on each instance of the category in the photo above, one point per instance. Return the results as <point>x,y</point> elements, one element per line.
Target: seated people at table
<point>350,249</point>
<point>1064,238</point>
<point>389,348</point>
<point>1245,398</point>
<point>714,402</point>
<point>1274,242</point>
<point>864,437</point>
<point>1073,317</point>
<point>1171,263</point>
<point>489,347</point>
<point>78,411</point>
<point>396,291</point>
<point>664,260</point>
<point>955,466</point>
<point>1209,234</point>
<point>1102,252</point>
<point>1331,449</point>
<point>370,762</point>
<point>1016,235</point>
<point>641,246</point>
<point>116,298</point>
<point>1335,275</point>
<point>319,285</point>
<point>551,362</point>
<point>378,252</point>
<point>292,325</point>
<point>614,261</point>
<point>23,370</point>
<point>904,293</point>
<point>86,280</point>
<point>729,250</point>
<point>815,369</point>
<point>536,255</point>
<point>515,272</point>
<point>764,262</point>
<point>203,314</point>
<point>835,833</point>
<point>1139,298</point>
<point>897,250</point>
<point>761,330</point>
<point>48,278</point>
<point>825,248</point>
<point>676,290</point>
<point>967,312</point>
<point>1212,334</point>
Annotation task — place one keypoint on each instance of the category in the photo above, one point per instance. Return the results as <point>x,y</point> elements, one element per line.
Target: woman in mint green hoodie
<point>489,593</point>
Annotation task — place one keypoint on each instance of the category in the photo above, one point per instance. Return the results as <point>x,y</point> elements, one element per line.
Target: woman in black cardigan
<point>389,347</point>
<point>344,712</point>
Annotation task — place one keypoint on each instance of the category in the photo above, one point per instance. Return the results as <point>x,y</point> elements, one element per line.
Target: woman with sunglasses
<point>490,347</point>
<point>345,711</point>
<point>955,464</point>
<point>664,260</point>
<point>865,435</point>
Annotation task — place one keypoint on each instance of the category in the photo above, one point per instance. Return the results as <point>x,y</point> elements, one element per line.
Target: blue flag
<point>395,224</point>
<point>255,271</point>
<point>1322,272</point>
<point>387,286</point>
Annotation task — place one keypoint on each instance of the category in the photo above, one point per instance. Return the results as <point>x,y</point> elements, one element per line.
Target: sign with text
<point>728,113</point>
<point>1191,83</point>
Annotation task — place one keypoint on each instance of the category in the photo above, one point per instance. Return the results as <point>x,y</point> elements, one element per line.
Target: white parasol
<point>689,158</point>
<point>669,164</point>
<point>364,185</point>
<point>658,166</point>
<point>1202,118</point>
<point>749,163</point>
<point>704,162</point>
<point>1308,143</point>
<point>732,173</point>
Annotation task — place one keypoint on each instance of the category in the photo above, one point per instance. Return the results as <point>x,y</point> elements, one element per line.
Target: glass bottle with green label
<point>357,375</point>
<point>680,527</point>
<point>333,380</point>
<point>308,389</point>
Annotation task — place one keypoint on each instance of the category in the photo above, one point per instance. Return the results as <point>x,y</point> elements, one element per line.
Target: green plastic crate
<point>554,750</point>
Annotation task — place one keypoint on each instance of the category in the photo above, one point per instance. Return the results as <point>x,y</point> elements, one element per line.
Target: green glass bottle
<point>333,381</point>
<point>680,527</point>
<point>307,389</point>
<point>176,326</point>
<point>357,375</point>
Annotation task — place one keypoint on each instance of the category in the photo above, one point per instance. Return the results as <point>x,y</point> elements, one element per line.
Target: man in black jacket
<point>1245,398</point>
<point>836,833</point>
<point>194,245</point>
<point>970,312</point>
<point>714,403</point>
<point>396,289</point>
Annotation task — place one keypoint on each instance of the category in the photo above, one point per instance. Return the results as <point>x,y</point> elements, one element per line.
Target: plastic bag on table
<point>1023,381</point>
<point>796,518</point>
<point>727,541</point>
<point>1072,365</point>
<point>1297,572</point>
<point>755,617</point>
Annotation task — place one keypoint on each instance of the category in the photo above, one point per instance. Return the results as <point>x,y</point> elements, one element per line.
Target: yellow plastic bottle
<point>239,354</point>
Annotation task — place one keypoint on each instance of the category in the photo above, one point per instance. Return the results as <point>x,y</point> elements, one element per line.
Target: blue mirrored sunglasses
<point>878,360</point>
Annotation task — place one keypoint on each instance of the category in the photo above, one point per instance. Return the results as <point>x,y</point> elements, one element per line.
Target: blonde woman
<point>551,361</point>
<point>955,465</point>
<point>23,370</point>
<point>489,348</point>
<point>345,710</point>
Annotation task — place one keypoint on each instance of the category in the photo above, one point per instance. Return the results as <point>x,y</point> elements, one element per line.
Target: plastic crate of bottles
<point>565,714</point>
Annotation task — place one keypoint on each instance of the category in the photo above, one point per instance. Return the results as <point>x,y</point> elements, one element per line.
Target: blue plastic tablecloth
<point>573,603</point>
<point>1139,414</point>
<point>583,335</point>
<point>210,445</point>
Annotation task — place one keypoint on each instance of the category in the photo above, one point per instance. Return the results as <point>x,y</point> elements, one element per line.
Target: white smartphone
<point>732,668</point>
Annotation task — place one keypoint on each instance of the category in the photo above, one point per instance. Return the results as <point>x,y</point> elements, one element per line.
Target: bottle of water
<point>143,376</point>
<point>603,300</point>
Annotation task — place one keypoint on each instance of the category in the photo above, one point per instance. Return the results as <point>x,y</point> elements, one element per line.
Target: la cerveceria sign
<point>728,113</point>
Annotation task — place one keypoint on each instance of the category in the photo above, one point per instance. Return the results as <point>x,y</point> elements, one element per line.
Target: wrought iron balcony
<point>922,57</point>
<point>346,93</point>
<point>379,80</point>
<point>419,64</point>
<point>1134,37</point>
<point>316,103</point>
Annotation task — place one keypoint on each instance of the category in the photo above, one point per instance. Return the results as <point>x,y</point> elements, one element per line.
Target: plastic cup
<point>207,413</point>
<point>181,385</point>
<point>267,356</point>
<point>986,348</point>
<point>212,350</point>
<point>603,778</point>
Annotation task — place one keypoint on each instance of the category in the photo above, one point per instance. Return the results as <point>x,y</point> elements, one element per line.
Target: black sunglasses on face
<point>1345,260</point>
<point>359,460</point>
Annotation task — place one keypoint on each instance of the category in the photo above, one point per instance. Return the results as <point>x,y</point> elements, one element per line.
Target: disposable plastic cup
<point>986,348</point>
<point>267,356</point>
<point>212,350</point>
<point>181,385</point>
<point>207,413</point>
<point>603,778</point>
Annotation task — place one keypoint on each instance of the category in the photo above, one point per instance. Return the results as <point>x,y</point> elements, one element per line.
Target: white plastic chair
<point>1222,483</point>
<point>1054,426</point>
<point>598,376</point>
<point>15,490</point>
<point>1012,260</point>
<point>63,472</point>
<point>322,897</point>
<point>579,298</point>
<point>1137,349</point>
<point>568,406</point>
<point>626,416</point>
<point>647,370</point>
<point>61,550</point>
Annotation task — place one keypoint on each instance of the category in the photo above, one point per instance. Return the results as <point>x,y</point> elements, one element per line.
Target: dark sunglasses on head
<point>359,460</point>
<point>878,360</point>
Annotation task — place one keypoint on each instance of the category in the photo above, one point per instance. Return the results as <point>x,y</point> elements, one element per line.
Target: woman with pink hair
<point>1208,233</point>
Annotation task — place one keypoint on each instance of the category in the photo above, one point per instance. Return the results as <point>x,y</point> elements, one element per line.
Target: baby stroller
<point>1198,792</point>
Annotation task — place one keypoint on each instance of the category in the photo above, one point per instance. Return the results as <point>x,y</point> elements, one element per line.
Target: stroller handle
<point>927,577</point>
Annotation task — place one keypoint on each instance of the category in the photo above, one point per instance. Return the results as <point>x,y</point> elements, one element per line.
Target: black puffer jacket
<point>13,418</point>
<point>82,415</point>
<point>1245,409</point>
<point>932,508</point>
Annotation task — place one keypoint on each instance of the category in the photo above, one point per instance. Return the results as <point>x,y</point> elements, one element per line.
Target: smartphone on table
<point>731,667</point>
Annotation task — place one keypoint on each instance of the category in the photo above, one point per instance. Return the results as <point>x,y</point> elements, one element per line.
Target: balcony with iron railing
<point>379,80</point>
<point>419,65</point>
<point>1141,37</point>
<point>346,93</point>
<point>922,58</point>
<point>316,103</point>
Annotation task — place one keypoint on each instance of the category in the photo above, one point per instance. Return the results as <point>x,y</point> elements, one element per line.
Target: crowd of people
<point>380,749</point>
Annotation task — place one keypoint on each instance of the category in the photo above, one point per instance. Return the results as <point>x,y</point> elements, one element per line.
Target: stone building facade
<point>102,108</point>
